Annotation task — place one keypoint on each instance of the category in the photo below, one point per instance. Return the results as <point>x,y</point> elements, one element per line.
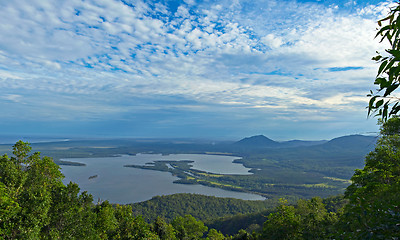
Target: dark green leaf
<point>395,53</point>
<point>389,65</point>
<point>385,28</point>
<point>385,111</point>
<point>381,67</point>
<point>379,103</point>
<point>390,89</point>
<point>377,58</point>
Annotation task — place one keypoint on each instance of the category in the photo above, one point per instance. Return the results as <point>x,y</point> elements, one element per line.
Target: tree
<point>27,183</point>
<point>243,235</point>
<point>131,227</point>
<point>71,215</point>
<point>188,228</point>
<point>106,223</point>
<point>316,222</point>
<point>382,103</point>
<point>8,210</point>
<point>164,230</point>
<point>215,235</point>
<point>374,207</point>
<point>309,219</point>
<point>282,224</point>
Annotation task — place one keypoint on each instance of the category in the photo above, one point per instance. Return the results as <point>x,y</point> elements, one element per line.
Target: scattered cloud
<point>12,97</point>
<point>292,60</point>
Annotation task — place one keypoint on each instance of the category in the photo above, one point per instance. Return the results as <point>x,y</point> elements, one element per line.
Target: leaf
<point>384,19</point>
<point>385,111</point>
<point>371,105</point>
<point>395,109</point>
<point>371,101</point>
<point>390,89</point>
<point>379,103</point>
<point>389,37</point>
<point>381,82</point>
<point>389,65</point>
<point>381,67</point>
<point>395,53</point>
<point>396,71</point>
<point>377,58</point>
<point>385,28</point>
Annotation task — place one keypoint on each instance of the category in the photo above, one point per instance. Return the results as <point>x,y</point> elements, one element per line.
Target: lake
<point>119,184</point>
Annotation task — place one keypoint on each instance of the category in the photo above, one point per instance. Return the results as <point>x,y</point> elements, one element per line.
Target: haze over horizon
<point>192,68</point>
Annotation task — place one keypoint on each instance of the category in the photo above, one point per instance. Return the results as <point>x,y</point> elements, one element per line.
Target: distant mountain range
<point>261,141</point>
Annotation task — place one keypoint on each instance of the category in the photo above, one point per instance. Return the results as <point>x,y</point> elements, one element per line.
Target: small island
<point>94,176</point>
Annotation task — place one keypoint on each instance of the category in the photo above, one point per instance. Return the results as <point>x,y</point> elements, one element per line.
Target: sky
<point>287,69</point>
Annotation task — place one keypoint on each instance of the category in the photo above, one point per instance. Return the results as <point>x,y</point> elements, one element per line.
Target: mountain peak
<point>359,140</point>
<point>257,141</point>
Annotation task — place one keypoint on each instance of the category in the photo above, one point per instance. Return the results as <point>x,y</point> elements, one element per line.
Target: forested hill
<point>258,141</point>
<point>261,141</point>
<point>335,158</point>
<point>201,207</point>
<point>352,141</point>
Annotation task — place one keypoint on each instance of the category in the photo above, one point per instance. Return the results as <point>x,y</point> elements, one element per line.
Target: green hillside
<point>204,208</point>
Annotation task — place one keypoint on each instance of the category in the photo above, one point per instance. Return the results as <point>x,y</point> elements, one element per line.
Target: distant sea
<point>8,139</point>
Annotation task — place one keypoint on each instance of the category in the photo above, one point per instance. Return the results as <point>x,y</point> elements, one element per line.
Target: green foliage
<point>28,183</point>
<point>71,215</point>
<point>20,151</point>
<point>382,103</point>
<point>283,224</point>
<point>373,211</point>
<point>201,207</point>
<point>121,224</point>
<point>8,210</point>
<point>188,228</point>
<point>215,235</point>
<point>248,222</point>
<point>309,219</point>
<point>164,230</point>
<point>243,235</point>
<point>106,222</point>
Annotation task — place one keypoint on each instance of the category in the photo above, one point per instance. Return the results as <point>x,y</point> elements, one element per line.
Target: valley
<point>292,169</point>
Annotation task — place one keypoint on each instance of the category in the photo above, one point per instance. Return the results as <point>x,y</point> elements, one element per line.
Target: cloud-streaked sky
<point>191,68</point>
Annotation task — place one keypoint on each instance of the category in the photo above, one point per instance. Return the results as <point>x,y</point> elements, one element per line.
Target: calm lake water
<point>119,184</point>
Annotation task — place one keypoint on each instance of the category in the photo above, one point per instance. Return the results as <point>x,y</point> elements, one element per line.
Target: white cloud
<point>12,97</point>
<point>272,41</point>
<point>247,54</point>
<point>190,2</point>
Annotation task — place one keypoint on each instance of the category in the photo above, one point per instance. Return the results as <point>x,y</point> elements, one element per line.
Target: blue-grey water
<point>119,184</point>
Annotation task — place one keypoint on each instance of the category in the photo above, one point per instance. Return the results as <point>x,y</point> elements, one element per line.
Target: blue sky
<point>201,69</point>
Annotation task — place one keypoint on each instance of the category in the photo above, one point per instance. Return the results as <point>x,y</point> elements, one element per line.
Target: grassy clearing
<point>318,185</point>
<point>339,180</point>
<point>219,184</point>
<point>210,175</point>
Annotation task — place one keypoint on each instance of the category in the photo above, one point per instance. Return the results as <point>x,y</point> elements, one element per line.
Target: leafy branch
<point>388,77</point>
